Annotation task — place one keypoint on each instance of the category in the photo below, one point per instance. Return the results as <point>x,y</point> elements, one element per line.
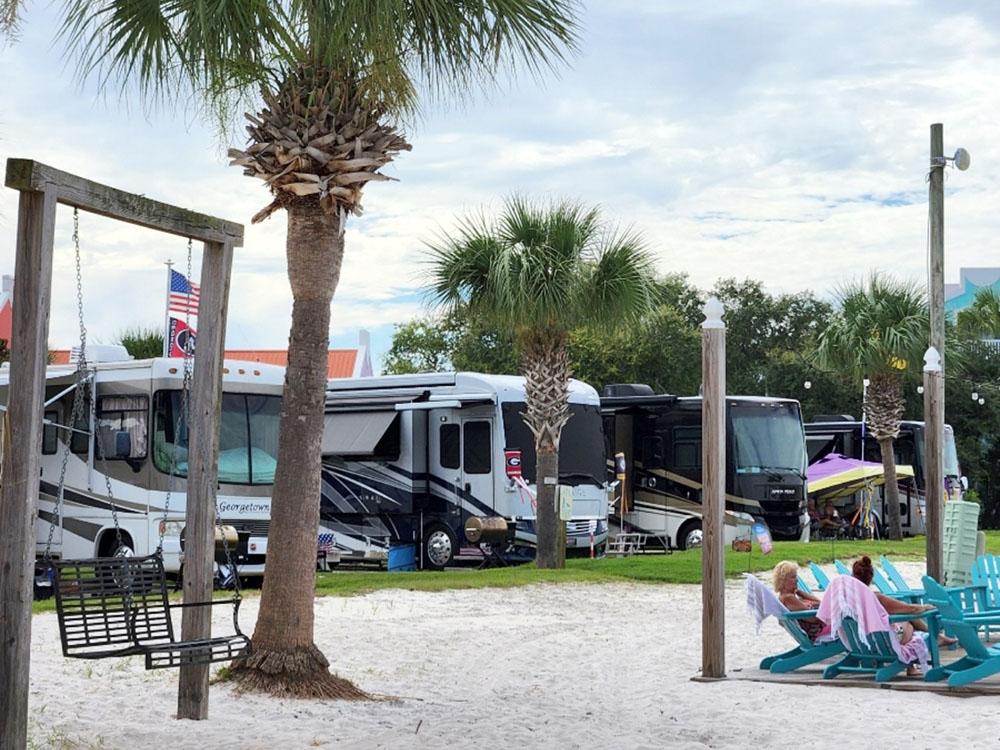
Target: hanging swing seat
<point>118,606</point>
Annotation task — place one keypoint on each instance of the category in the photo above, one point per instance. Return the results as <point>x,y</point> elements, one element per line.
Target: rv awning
<point>355,433</point>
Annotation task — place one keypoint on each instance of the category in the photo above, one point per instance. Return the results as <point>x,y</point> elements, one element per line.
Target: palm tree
<point>982,318</point>
<point>541,271</point>
<point>325,84</point>
<point>10,11</point>
<point>879,332</point>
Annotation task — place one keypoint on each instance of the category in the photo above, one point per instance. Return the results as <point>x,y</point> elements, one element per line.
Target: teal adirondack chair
<point>903,590</point>
<point>980,661</point>
<point>882,583</point>
<point>806,652</point>
<point>876,657</point>
<point>841,568</point>
<point>986,582</point>
<point>986,573</point>
<point>803,585</point>
<point>821,578</point>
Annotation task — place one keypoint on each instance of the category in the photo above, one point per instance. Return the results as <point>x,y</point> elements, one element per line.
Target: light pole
<point>933,399</point>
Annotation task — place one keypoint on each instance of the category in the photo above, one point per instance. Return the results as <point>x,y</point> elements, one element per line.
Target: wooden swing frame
<point>41,189</point>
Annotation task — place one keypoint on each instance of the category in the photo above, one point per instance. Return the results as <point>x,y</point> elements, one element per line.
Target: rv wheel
<point>109,545</point>
<point>439,547</point>
<point>690,535</point>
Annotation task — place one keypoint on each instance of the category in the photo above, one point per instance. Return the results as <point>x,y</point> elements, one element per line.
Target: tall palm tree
<point>325,84</point>
<point>879,332</point>
<point>982,318</point>
<point>541,271</point>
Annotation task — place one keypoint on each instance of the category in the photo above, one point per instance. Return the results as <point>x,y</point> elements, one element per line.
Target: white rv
<point>137,448</point>
<point>408,458</point>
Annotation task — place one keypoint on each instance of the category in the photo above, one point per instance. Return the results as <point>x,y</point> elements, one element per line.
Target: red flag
<point>182,338</point>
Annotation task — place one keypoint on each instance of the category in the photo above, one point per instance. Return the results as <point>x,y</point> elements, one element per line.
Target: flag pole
<point>166,317</point>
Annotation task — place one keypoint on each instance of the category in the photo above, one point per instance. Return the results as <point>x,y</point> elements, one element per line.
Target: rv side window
<point>652,453</point>
<point>449,438</point>
<point>79,442</point>
<point>476,454</point>
<point>121,427</point>
<point>687,448</point>
<point>49,443</point>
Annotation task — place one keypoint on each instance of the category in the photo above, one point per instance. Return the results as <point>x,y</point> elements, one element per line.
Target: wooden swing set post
<point>41,188</point>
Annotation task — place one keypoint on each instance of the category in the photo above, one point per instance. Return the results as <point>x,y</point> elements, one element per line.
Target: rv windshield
<point>248,437</point>
<point>581,447</point>
<point>767,437</point>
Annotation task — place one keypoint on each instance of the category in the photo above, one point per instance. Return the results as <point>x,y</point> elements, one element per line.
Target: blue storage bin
<point>402,557</point>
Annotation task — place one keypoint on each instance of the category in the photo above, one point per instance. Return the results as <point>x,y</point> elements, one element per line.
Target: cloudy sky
<point>785,140</point>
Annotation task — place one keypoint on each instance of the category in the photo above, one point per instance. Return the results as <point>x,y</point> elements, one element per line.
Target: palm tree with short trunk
<point>879,332</point>
<point>541,271</point>
<point>325,85</point>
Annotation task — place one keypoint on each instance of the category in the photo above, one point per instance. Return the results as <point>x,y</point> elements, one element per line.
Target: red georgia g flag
<point>182,338</point>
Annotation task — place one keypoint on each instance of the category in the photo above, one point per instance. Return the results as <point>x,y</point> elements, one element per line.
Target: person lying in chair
<point>786,585</point>
<point>864,571</point>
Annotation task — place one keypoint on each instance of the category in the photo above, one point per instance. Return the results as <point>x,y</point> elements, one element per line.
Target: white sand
<point>568,666</point>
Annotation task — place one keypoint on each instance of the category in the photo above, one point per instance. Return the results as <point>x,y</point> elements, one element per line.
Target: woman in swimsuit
<point>786,582</point>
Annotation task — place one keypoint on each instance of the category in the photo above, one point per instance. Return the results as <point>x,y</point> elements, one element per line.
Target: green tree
<point>325,84</point>
<point>879,332</point>
<point>142,343</point>
<point>420,345</point>
<point>981,318</point>
<point>759,326</point>
<point>542,271</point>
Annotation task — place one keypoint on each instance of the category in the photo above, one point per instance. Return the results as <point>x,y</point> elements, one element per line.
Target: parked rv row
<point>411,459</point>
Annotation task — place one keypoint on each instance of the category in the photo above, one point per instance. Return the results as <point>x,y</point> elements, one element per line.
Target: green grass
<point>680,567</point>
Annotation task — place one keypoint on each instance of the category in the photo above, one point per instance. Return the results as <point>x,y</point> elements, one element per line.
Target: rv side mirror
<point>123,444</point>
<point>965,482</point>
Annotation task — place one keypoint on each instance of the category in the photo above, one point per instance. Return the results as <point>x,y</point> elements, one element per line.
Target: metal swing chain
<point>183,417</point>
<point>78,395</point>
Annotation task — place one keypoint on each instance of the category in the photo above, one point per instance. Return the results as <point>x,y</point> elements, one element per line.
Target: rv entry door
<point>477,464</point>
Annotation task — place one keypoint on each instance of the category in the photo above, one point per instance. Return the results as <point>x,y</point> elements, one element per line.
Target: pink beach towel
<point>846,596</point>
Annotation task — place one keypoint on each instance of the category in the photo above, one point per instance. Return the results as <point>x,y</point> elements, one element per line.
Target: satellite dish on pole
<point>962,159</point>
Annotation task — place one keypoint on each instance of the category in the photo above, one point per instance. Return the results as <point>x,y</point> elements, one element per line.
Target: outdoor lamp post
<point>934,367</point>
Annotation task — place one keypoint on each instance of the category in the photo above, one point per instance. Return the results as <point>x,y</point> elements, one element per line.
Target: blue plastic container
<point>402,557</point>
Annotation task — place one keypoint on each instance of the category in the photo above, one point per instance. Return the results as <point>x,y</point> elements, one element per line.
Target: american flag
<point>324,543</point>
<point>184,294</point>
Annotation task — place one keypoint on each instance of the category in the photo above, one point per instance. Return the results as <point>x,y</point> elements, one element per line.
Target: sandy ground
<point>568,666</point>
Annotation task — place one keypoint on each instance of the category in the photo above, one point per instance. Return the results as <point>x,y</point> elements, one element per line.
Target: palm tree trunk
<point>284,659</point>
<point>546,370</point>
<point>891,488</point>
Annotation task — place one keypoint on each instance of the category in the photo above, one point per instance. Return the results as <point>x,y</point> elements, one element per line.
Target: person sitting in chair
<point>830,522</point>
<point>786,582</point>
<point>864,571</point>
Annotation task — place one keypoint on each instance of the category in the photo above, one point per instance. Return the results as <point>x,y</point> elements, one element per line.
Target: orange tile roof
<point>339,362</point>
<point>6,321</point>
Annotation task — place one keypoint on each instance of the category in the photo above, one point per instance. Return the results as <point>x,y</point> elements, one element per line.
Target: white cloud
<point>773,138</point>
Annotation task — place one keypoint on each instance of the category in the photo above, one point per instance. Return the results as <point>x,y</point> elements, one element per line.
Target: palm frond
<point>881,326</point>
<point>542,268</point>
<point>226,52</point>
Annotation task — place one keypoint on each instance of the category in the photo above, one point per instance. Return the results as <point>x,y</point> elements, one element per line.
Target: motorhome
<point>409,458</point>
<point>843,434</point>
<point>125,448</point>
<point>660,437</point>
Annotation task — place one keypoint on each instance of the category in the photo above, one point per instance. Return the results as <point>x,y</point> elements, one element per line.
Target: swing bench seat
<point>118,606</point>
